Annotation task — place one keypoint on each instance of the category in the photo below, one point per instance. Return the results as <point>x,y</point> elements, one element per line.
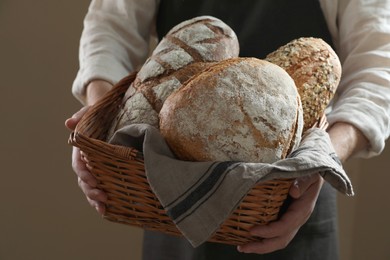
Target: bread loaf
<point>187,49</point>
<point>241,109</point>
<point>316,71</point>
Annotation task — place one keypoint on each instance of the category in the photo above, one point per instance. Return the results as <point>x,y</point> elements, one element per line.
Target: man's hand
<point>277,235</point>
<point>86,181</point>
<point>347,141</point>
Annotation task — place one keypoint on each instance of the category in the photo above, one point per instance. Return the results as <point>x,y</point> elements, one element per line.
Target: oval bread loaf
<point>316,71</point>
<point>241,109</point>
<point>187,49</point>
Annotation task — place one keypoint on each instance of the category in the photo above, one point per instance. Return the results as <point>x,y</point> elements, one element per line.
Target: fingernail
<point>297,186</point>
<point>294,190</point>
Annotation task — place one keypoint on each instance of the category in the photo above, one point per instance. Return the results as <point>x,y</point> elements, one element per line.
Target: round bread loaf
<point>187,49</point>
<point>241,109</point>
<point>316,71</point>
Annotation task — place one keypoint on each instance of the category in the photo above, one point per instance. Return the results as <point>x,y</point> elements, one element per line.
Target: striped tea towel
<point>199,196</point>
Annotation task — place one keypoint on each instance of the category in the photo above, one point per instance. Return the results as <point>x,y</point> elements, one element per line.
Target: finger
<point>266,246</point>
<point>80,168</point>
<point>99,207</point>
<point>71,123</point>
<point>92,193</point>
<point>301,185</point>
<point>291,221</point>
<point>323,122</point>
<point>296,215</point>
<point>84,157</point>
<point>277,235</point>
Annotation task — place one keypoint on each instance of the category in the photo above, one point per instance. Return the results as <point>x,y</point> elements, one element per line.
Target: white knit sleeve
<point>363,97</point>
<point>114,41</point>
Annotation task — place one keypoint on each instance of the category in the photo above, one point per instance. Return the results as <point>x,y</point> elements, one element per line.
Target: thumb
<point>302,184</point>
<point>71,122</point>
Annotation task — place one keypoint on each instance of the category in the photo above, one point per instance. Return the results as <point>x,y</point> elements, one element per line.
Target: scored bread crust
<point>187,49</point>
<point>316,71</point>
<point>143,104</point>
<point>241,109</point>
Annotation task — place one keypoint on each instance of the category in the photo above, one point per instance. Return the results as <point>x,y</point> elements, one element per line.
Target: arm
<point>360,119</point>
<point>113,43</point>
<point>362,39</point>
<point>347,140</point>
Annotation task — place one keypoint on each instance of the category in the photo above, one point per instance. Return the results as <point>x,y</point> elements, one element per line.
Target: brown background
<point>43,214</point>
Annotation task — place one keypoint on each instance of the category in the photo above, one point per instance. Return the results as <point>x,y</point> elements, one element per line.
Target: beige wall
<point>43,214</point>
<point>364,218</point>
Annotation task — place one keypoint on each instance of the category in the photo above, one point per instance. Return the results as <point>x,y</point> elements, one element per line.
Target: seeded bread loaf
<point>316,71</point>
<point>241,109</point>
<point>187,49</point>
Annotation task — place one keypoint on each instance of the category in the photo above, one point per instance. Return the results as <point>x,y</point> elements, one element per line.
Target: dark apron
<point>261,27</point>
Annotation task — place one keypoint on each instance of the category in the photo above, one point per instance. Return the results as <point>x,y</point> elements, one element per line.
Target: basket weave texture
<point>121,175</point>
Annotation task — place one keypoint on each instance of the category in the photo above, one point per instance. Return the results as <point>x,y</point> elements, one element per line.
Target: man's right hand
<point>86,181</point>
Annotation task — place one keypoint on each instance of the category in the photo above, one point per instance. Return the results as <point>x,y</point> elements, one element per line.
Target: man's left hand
<point>277,235</point>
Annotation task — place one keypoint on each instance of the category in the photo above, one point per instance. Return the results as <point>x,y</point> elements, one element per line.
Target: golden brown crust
<point>316,70</point>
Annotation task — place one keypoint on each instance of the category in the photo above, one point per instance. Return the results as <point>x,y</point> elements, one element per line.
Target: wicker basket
<point>120,173</point>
